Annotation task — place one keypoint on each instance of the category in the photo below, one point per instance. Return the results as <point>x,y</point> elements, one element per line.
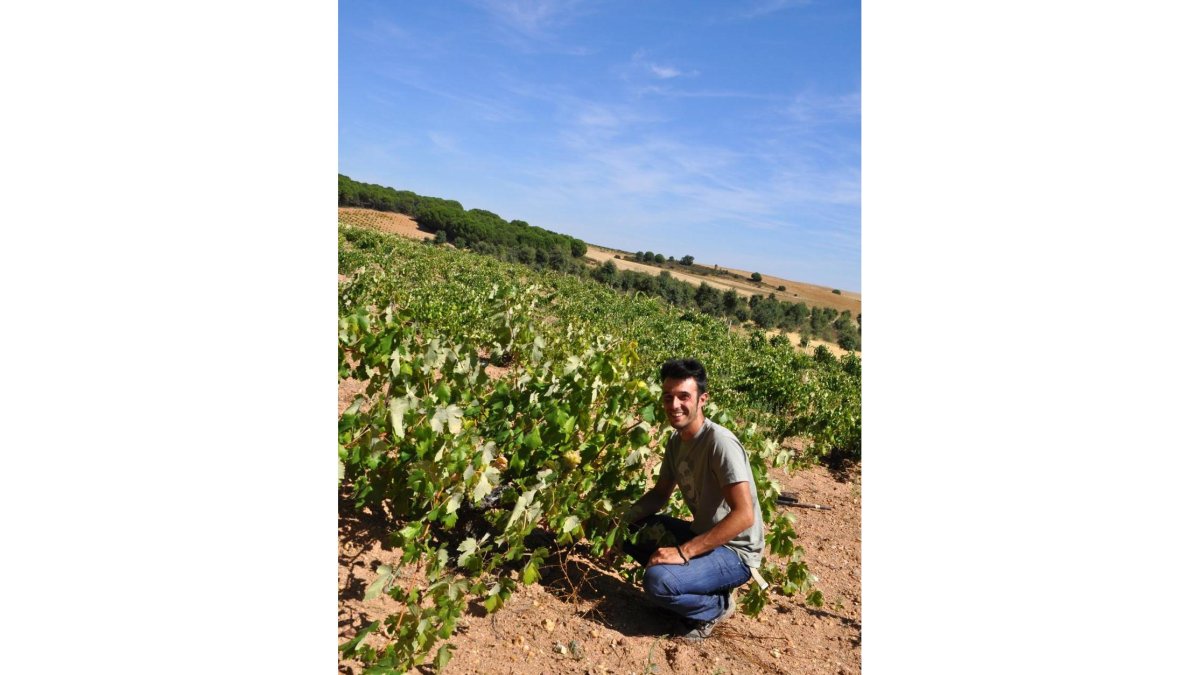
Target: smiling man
<point>692,568</point>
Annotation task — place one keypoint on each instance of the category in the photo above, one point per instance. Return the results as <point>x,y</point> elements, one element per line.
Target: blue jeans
<point>696,590</point>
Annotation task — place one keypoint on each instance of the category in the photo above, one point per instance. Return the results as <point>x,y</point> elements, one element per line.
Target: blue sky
<point>729,131</point>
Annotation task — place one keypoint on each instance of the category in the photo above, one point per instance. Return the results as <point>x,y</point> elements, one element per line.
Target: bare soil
<point>384,221</point>
<point>581,618</point>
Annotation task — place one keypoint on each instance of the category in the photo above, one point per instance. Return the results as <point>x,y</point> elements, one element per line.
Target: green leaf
<point>491,602</point>
<point>639,436</point>
<point>399,406</point>
<point>530,574</point>
<point>348,648</point>
<point>487,479</point>
<point>518,508</point>
<point>816,599</point>
<point>380,584</point>
<point>449,418</point>
<point>467,548</point>
<point>454,502</point>
<point>570,523</point>
<point>533,440</point>
<point>443,656</point>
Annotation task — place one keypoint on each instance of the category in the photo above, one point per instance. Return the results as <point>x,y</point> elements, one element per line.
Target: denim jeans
<point>696,590</point>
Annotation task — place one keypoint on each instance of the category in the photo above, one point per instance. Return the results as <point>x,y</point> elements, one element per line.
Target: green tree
<point>756,277</point>
<point>606,273</point>
<point>687,260</point>
<point>729,301</point>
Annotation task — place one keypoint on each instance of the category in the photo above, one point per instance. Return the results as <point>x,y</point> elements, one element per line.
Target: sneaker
<point>702,629</point>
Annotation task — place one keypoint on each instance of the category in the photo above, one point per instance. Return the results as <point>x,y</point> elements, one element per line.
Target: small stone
<point>548,624</point>
<point>775,653</point>
<point>594,633</point>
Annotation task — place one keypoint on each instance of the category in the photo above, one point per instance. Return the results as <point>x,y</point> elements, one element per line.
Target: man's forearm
<point>648,505</point>
<point>729,527</point>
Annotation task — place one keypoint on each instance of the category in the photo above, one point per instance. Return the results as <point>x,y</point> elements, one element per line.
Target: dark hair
<point>682,369</point>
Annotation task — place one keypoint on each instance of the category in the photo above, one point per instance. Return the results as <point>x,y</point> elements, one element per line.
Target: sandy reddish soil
<point>396,223</point>
<point>613,629</point>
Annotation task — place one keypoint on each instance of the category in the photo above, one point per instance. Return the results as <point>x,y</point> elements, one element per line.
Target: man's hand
<point>668,555</point>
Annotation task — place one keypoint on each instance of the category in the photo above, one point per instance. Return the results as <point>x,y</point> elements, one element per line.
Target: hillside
<point>795,291</point>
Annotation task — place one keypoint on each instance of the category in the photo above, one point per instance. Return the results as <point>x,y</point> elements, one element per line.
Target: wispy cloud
<point>485,107</point>
<point>671,92</point>
<point>662,71</point>
<point>533,25</point>
<point>444,142</point>
<point>532,17</point>
<point>822,109</point>
<point>760,8</point>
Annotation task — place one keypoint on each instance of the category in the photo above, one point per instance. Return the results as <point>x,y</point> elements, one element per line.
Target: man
<point>692,568</point>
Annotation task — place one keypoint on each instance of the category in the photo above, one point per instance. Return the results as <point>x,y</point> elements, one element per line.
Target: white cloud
<point>444,142</point>
<point>530,25</point>
<point>658,70</point>
<point>664,72</point>
<point>765,7</point>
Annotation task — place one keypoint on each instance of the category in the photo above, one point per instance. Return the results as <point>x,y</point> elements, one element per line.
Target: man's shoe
<point>702,629</point>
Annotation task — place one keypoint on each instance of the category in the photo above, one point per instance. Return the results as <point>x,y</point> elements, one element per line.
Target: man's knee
<point>659,581</point>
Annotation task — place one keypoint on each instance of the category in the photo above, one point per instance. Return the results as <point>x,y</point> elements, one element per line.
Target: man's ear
<point>703,398</point>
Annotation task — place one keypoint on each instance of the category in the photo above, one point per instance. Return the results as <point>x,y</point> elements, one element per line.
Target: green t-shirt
<point>704,465</point>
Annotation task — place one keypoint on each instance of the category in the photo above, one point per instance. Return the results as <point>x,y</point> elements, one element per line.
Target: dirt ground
<point>396,223</point>
<point>582,619</point>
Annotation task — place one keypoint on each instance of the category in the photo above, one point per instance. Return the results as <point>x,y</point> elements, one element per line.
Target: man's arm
<point>740,517</point>
<point>651,502</point>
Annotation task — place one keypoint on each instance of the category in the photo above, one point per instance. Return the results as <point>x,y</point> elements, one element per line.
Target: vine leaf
<point>443,656</point>
<point>380,584</point>
<point>569,524</point>
<point>350,646</point>
<point>449,417</point>
<point>484,486</point>
<point>399,407</point>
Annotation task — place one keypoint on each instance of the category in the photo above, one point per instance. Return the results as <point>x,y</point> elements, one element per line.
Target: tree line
<point>515,240</point>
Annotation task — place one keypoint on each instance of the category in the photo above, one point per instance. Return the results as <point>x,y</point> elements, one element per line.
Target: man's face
<point>681,402</point>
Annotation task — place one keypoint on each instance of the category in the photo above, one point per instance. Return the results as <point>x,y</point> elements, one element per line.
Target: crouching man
<point>692,568</point>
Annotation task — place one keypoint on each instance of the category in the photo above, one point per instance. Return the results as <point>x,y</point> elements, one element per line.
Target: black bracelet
<point>681,555</point>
